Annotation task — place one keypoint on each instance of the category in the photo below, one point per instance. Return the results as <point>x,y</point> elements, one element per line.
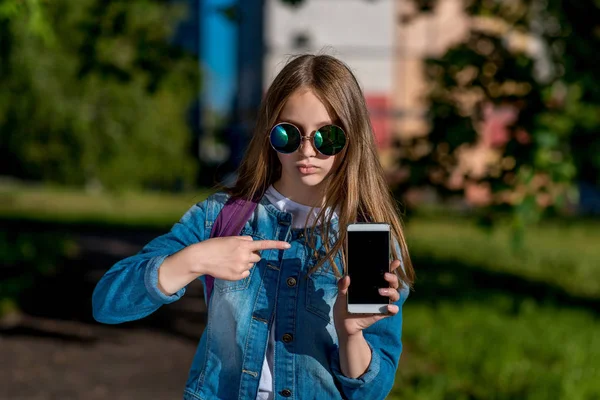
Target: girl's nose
<point>307,147</point>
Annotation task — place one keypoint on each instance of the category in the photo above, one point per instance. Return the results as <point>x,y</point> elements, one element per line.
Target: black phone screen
<point>368,261</point>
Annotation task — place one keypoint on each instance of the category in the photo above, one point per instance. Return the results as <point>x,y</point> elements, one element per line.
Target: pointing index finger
<point>269,244</point>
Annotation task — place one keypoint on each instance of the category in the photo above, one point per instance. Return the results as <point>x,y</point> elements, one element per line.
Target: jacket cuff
<point>354,383</point>
<point>151,282</point>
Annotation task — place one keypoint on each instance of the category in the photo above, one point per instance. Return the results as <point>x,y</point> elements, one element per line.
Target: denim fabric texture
<point>231,350</point>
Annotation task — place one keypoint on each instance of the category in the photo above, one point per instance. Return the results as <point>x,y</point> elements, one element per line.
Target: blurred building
<point>359,32</point>
<point>418,36</point>
<point>384,42</point>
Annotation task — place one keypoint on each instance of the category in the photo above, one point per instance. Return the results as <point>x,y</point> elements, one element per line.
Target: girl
<point>278,326</point>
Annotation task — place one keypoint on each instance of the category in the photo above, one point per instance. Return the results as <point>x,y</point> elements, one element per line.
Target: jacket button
<point>287,338</point>
<point>286,392</point>
<point>291,281</point>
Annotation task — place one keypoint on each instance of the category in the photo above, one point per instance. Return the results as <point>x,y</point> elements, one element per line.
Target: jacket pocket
<point>321,293</point>
<point>224,286</point>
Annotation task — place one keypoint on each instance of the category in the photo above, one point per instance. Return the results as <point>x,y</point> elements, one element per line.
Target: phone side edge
<point>368,308</point>
<point>368,227</point>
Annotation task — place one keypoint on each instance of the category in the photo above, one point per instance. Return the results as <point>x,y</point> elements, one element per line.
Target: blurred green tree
<point>94,93</point>
<point>522,91</point>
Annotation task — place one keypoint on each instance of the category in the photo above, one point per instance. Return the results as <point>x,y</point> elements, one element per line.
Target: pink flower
<point>496,121</point>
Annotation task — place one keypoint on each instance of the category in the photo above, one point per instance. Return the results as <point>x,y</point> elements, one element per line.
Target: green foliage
<point>104,104</point>
<point>34,17</point>
<point>28,258</point>
<point>554,93</point>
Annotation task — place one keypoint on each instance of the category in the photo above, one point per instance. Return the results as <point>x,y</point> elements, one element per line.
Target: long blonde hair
<point>357,188</point>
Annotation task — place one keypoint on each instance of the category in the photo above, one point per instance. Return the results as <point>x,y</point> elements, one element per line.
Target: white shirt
<point>301,217</point>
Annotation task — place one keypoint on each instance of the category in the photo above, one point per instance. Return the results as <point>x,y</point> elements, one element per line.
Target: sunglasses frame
<point>311,138</point>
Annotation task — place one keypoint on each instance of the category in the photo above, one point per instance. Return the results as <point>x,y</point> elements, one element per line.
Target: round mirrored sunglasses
<point>329,140</point>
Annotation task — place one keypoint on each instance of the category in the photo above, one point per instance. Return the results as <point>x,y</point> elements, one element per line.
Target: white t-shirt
<point>301,216</point>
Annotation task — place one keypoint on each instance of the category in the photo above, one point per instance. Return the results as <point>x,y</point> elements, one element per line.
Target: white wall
<point>359,32</point>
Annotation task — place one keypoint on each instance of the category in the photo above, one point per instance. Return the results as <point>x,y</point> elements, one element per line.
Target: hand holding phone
<point>368,250</point>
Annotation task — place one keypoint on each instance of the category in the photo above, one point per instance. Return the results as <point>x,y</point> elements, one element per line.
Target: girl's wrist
<point>193,260</point>
<point>355,355</point>
<point>345,337</point>
<point>179,269</point>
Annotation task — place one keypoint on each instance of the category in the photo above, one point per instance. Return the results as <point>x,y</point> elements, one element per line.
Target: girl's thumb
<point>343,285</point>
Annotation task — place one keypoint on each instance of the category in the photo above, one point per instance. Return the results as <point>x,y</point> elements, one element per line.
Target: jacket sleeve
<point>385,340</point>
<point>129,290</point>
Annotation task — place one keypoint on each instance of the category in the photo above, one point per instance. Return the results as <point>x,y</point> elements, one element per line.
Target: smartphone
<point>368,259</point>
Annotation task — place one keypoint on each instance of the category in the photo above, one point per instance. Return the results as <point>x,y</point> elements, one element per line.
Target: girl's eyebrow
<point>300,125</point>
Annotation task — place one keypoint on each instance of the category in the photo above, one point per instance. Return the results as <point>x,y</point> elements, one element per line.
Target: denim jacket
<point>230,354</point>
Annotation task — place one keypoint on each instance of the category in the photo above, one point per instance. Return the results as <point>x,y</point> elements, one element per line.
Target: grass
<point>561,255</point>
<point>486,320</point>
<point>64,206</point>
<point>498,349</point>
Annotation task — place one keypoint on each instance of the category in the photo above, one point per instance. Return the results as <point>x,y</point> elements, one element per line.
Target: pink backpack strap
<point>229,222</point>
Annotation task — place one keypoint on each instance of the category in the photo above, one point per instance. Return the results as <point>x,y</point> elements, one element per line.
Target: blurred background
<point>117,116</point>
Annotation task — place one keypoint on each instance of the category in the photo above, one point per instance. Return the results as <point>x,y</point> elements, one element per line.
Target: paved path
<point>57,351</point>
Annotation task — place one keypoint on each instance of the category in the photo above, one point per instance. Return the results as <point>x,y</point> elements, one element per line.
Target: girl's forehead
<point>303,107</point>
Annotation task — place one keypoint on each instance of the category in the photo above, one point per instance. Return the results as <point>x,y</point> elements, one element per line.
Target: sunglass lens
<point>330,140</point>
<point>285,138</point>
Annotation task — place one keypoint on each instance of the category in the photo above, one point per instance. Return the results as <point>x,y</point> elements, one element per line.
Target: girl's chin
<point>310,180</point>
<point>302,180</point>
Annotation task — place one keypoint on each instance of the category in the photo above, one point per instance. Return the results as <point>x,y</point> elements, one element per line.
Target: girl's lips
<point>307,169</point>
